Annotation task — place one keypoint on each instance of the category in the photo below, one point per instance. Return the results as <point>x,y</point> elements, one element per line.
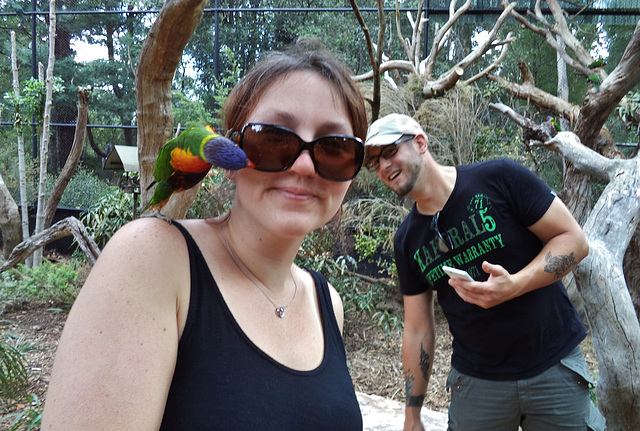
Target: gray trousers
<point>557,399</point>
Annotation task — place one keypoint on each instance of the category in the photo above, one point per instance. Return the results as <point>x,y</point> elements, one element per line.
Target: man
<point>516,357</point>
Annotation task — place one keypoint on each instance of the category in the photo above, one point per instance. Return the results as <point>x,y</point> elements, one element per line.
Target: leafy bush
<point>358,297</point>
<point>48,283</point>
<point>109,214</point>
<point>13,386</point>
<point>83,191</point>
<point>13,375</point>
<point>28,419</point>
<point>375,245</point>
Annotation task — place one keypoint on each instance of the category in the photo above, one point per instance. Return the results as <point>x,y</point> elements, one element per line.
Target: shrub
<point>13,375</point>
<point>48,283</point>
<point>109,214</point>
<point>28,419</point>
<point>83,191</point>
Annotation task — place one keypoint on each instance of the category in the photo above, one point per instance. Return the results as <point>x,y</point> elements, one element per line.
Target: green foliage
<point>83,191</point>
<point>230,77</point>
<point>375,245</point>
<point>389,322</point>
<point>359,298</point>
<point>28,419</point>
<point>629,111</point>
<point>214,197</point>
<point>13,375</point>
<point>593,389</point>
<point>48,283</point>
<point>32,97</point>
<point>187,112</point>
<point>492,143</point>
<point>109,214</point>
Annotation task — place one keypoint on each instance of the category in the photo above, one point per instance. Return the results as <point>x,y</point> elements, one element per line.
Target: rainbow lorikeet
<point>601,62</point>
<point>186,159</point>
<point>554,123</point>
<point>595,80</point>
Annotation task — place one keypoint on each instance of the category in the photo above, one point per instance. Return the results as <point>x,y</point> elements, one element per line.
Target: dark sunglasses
<point>387,152</point>
<point>445,244</point>
<point>275,149</point>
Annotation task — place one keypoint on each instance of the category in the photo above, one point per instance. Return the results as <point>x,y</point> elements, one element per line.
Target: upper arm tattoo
<point>559,265</point>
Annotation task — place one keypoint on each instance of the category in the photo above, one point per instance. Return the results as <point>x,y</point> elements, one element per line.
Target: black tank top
<point>224,381</point>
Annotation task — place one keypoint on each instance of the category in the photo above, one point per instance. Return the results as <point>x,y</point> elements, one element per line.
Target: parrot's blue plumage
<point>186,159</point>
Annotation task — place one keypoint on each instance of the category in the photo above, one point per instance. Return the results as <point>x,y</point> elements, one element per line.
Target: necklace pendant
<point>280,312</point>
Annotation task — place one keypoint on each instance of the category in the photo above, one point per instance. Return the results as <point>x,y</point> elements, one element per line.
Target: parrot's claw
<point>156,214</point>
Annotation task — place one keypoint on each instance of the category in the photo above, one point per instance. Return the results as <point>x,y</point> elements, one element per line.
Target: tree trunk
<point>631,267</point>
<point>72,161</point>
<point>614,325</point>
<point>158,61</point>
<point>22,172</point>
<point>9,220</point>
<point>44,141</point>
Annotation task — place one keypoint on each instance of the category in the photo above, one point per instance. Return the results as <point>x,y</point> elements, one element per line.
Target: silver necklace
<point>241,266</point>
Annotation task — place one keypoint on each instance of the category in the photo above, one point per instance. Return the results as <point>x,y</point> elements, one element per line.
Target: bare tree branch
<point>531,131</point>
<point>412,49</point>
<point>376,59</point>
<point>65,227</point>
<point>496,64</point>
<point>543,100</point>
<point>72,161</point>
<point>442,34</point>
<point>599,104</point>
<point>549,36</point>
<point>387,66</point>
<point>449,79</point>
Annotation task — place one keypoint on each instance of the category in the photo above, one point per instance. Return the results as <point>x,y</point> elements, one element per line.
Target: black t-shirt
<point>487,217</point>
<point>223,381</point>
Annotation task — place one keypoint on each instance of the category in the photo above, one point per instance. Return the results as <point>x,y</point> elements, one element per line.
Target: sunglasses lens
<point>270,148</point>
<point>445,244</point>
<point>338,158</point>
<point>273,149</point>
<point>442,245</point>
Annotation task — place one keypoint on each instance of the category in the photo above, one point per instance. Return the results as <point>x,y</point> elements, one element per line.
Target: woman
<point>208,324</point>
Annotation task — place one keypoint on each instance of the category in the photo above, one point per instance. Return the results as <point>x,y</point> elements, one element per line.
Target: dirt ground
<point>374,355</point>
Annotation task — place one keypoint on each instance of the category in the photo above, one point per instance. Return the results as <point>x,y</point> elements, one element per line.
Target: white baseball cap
<point>389,129</point>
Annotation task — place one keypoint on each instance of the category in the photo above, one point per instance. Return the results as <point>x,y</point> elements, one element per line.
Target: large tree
<point>158,61</point>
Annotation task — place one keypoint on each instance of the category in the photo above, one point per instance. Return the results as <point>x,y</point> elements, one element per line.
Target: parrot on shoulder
<point>186,159</point>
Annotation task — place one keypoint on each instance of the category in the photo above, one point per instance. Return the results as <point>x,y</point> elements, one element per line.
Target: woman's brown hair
<point>305,55</point>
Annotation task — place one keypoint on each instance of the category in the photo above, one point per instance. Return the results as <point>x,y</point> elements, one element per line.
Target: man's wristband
<point>415,400</point>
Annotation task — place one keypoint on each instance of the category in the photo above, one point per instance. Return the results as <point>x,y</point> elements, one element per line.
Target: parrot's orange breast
<point>185,161</point>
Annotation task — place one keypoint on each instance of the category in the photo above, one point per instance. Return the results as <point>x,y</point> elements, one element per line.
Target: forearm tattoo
<point>559,265</point>
<point>415,400</point>
<point>425,365</point>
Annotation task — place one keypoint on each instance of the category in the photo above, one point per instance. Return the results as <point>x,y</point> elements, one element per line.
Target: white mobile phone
<point>457,273</point>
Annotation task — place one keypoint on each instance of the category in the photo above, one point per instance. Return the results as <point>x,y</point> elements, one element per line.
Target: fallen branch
<point>387,281</point>
<point>65,227</point>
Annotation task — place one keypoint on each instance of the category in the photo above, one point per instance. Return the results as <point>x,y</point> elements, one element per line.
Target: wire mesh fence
<point>98,43</point>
